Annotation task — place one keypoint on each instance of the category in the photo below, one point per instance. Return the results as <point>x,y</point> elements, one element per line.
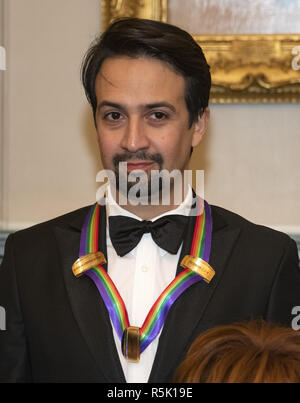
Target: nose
<point>135,136</point>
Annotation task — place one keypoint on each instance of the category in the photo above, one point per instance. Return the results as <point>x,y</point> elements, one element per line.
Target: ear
<point>200,127</point>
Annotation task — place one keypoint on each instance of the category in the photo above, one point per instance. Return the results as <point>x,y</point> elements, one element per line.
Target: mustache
<point>138,155</point>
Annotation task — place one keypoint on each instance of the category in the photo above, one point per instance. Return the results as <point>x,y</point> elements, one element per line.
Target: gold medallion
<point>199,266</point>
<point>131,347</point>
<point>86,262</point>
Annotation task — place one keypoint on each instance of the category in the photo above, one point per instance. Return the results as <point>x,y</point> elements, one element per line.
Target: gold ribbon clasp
<point>199,266</point>
<point>86,262</point>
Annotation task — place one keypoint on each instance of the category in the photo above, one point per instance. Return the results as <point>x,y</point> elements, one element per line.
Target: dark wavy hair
<point>135,37</point>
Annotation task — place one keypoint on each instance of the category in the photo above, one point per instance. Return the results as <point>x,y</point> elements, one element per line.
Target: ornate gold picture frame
<point>257,68</point>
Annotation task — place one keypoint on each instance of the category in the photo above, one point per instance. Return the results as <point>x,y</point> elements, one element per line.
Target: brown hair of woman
<point>255,352</point>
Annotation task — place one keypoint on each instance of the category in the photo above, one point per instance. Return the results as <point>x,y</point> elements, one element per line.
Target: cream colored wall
<point>250,154</point>
<point>251,161</point>
<point>50,148</point>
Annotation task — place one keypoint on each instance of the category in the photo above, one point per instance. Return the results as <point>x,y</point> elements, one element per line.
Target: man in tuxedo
<point>148,84</point>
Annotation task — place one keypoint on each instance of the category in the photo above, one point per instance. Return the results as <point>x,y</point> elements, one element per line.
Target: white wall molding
<point>15,226</point>
<point>288,229</point>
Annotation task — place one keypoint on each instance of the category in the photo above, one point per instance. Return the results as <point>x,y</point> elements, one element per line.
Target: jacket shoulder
<point>248,228</point>
<point>44,230</point>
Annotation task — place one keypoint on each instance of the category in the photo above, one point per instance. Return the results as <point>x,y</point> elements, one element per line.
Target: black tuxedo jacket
<point>58,329</point>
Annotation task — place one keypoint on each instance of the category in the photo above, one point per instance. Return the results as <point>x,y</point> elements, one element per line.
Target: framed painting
<point>253,48</point>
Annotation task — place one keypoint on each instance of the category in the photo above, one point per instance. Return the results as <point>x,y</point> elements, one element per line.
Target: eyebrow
<point>143,106</point>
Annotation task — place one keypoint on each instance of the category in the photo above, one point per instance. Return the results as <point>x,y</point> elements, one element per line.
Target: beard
<point>149,184</point>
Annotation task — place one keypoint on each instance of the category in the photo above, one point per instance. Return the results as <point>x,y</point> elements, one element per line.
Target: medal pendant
<point>131,348</point>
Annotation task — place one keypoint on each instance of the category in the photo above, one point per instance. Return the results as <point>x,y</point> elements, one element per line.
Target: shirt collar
<point>113,208</point>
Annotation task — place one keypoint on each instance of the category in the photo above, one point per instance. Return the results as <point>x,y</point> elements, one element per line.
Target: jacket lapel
<point>186,313</point>
<point>88,308</point>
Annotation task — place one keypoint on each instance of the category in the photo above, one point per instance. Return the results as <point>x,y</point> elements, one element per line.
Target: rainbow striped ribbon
<point>154,321</point>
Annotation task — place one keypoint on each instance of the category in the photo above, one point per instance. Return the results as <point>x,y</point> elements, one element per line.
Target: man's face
<point>141,116</point>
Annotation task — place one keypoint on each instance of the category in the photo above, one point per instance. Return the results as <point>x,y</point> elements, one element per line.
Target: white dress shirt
<point>140,277</point>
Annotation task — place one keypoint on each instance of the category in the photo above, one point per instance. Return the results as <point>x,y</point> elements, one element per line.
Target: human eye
<point>112,116</point>
<point>158,116</point>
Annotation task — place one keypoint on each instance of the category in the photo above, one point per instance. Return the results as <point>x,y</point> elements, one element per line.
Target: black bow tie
<point>126,232</point>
